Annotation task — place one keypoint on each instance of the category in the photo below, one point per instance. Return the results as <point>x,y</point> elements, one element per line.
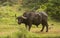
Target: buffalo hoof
<point>41,30</point>
<point>46,31</point>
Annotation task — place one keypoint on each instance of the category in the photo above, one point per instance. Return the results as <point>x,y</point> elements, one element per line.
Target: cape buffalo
<point>34,18</point>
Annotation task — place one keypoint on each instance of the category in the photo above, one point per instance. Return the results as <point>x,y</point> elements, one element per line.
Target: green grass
<point>10,29</point>
<point>19,31</point>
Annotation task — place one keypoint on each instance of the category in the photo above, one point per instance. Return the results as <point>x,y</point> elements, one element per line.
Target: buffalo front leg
<point>29,27</point>
<point>25,25</point>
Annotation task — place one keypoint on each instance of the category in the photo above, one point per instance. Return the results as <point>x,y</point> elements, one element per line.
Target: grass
<point>19,31</point>
<point>10,29</point>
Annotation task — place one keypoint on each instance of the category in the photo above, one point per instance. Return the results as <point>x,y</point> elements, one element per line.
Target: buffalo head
<point>20,19</point>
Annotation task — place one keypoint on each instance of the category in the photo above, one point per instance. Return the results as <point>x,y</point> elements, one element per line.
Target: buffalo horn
<point>24,17</point>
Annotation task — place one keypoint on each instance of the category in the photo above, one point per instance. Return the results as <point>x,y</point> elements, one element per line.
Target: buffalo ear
<point>24,17</point>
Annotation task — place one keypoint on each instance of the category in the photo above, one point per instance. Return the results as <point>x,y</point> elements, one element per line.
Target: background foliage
<point>52,7</point>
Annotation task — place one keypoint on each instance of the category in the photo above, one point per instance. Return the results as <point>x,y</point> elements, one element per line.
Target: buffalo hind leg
<point>44,24</point>
<point>42,27</point>
<point>46,27</point>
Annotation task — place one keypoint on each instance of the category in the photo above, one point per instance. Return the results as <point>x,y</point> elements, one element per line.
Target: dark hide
<point>34,18</point>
